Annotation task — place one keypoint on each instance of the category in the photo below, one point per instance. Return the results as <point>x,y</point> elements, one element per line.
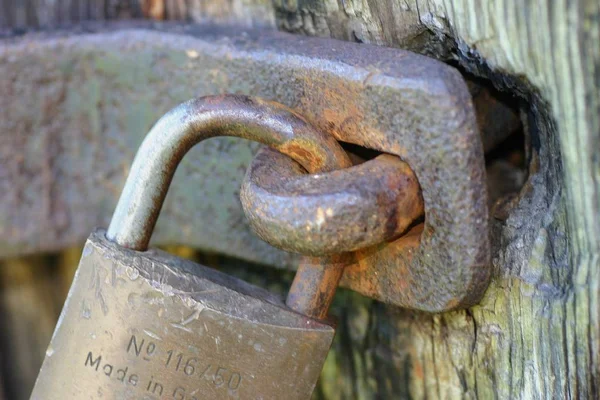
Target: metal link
<point>329,213</point>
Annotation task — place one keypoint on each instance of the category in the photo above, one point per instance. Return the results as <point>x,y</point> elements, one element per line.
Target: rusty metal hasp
<point>389,100</point>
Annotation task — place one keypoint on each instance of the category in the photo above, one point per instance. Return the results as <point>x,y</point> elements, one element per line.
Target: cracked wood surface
<point>536,332</point>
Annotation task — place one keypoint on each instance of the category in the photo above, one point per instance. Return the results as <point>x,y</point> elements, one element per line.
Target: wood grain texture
<point>536,334</point>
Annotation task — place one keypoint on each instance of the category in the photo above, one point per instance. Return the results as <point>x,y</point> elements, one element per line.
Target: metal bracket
<point>420,110</point>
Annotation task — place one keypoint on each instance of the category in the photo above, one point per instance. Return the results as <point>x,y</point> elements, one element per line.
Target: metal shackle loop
<point>329,213</point>
<point>193,121</point>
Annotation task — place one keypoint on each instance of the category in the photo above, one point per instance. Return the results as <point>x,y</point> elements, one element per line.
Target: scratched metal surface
<point>150,325</point>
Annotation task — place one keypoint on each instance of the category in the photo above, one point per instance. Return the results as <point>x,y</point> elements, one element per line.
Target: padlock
<point>144,324</point>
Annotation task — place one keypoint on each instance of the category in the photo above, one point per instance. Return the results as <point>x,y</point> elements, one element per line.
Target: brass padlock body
<point>149,325</point>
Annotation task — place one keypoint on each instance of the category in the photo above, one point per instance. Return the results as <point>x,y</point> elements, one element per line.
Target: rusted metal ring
<point>329,213</point>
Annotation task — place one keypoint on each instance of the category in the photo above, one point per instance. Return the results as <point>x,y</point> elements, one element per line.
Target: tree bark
<point>536,333</point>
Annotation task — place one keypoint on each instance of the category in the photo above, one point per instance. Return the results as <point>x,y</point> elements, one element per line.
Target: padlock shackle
<point>193,121</point>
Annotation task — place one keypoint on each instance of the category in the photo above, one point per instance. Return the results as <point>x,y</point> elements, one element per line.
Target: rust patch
<point>334,212</point>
